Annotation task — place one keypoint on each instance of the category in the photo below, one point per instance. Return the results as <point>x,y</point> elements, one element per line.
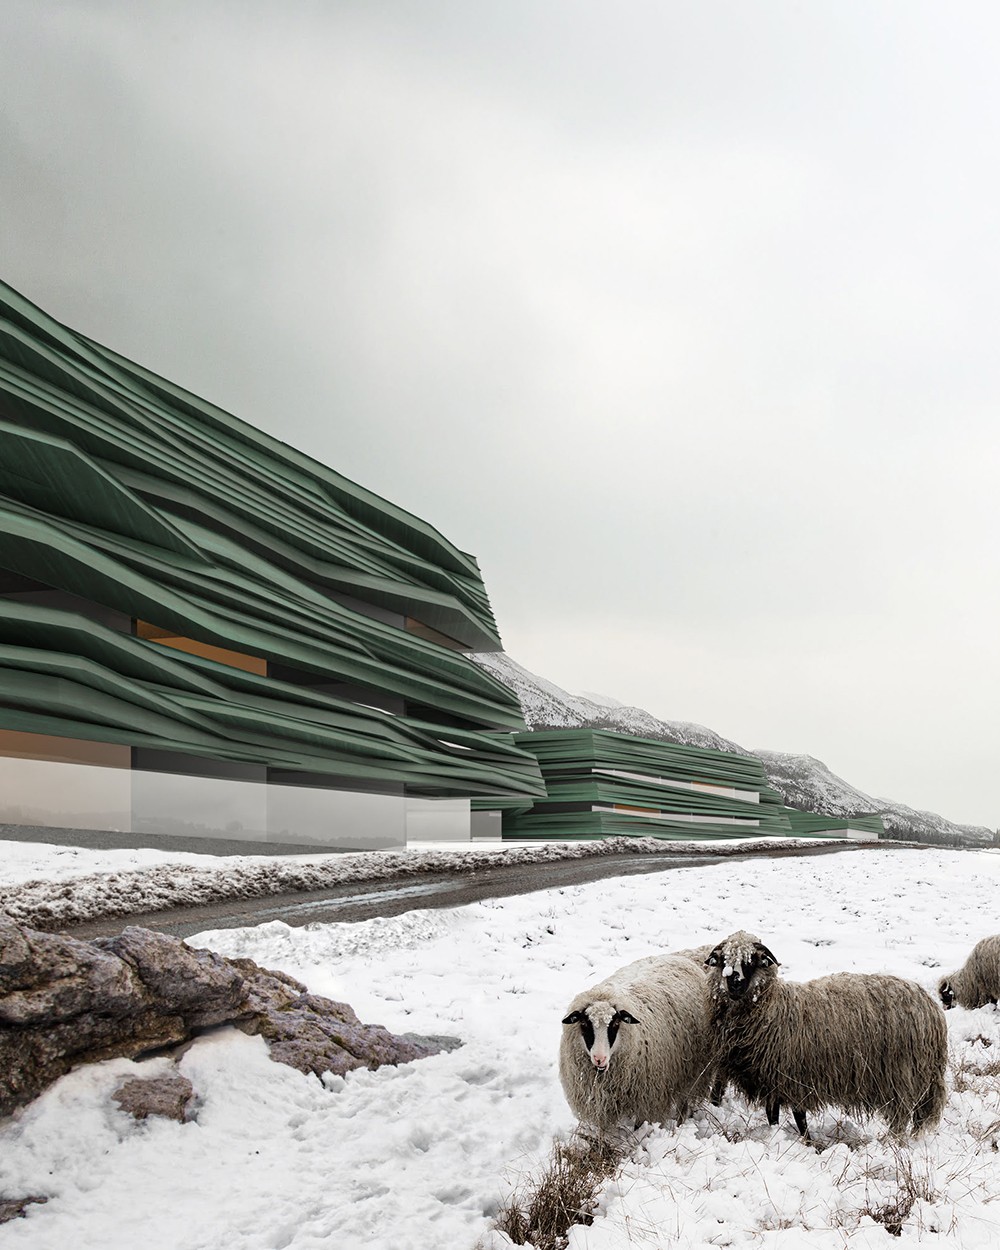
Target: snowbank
<point>71,898</point>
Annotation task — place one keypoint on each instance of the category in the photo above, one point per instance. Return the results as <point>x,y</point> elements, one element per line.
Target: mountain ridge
<point>802,780</point>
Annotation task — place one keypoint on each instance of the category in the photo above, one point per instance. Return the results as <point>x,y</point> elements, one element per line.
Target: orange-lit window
<point>28,746</point>
<point>413,626</point>
<point>645,811</point>
<point>221,655</point>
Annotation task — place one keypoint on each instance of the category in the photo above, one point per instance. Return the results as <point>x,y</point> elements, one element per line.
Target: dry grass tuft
<point>898,1188</point>
<point>544,1208</point>
<point>968,1069</point>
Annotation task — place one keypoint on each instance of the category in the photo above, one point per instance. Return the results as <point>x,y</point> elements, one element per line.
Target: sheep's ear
<point>714,959</point>
<point>625,1017</point>
<point>574,1017</point>
<point>767,957</point>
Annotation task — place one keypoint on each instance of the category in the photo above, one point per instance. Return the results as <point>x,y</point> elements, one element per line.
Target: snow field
<point>421,1156</point>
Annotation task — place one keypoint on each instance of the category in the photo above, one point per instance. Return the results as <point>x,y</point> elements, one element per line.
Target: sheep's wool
<point>601,1013</point>
<point>738,950</point>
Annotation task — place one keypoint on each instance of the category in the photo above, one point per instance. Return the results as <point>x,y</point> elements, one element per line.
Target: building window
<point>221,655</point>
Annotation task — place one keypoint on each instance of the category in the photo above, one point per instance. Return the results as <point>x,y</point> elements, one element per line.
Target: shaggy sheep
<point>636,1045</point>
<point>863,1043</point>
<point>977,982</point>
<point>700,956</point>
<point>698,953</point>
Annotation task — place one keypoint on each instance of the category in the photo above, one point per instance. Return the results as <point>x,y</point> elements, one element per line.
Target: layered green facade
<point>816,825</point>
<point>600,783</point>
<point>172,579</point>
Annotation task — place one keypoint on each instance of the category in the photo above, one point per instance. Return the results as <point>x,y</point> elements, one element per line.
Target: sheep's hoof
<point>800,1122</point>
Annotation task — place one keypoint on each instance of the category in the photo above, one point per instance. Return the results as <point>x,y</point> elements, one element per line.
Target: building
<point>860,828</point>
<point>206,632</point>
<point>600,783</point>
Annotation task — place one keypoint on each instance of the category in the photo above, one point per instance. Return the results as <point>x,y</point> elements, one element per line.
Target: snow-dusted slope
<point>547,706</point>
<point>807,783</point>
<point>801,780</point>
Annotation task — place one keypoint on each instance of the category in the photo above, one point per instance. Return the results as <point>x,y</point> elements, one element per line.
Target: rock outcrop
<point>64,1002</point>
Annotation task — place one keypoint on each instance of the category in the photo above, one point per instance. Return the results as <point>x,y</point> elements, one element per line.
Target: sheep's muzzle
<point>737,984</point>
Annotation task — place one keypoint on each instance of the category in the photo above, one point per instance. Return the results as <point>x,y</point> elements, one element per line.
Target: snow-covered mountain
<point>547,706</point>
<point>807,783</point>
<point>801,780</point>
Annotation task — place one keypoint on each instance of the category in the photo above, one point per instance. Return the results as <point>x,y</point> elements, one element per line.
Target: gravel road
<point>392,896</point>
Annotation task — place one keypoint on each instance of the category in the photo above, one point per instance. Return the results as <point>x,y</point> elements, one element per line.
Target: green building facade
<point>203,630</point>
<point>867,827</point>
<point>600,783</point>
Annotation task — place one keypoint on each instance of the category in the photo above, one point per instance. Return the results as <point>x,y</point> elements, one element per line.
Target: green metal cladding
<point>816,825</point>
<point>600,783</point>
<point>125,491</point>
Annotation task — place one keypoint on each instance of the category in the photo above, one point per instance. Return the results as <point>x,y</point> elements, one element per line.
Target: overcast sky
<point>683,318</point>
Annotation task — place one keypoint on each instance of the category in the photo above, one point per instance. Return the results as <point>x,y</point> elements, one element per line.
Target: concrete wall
<point>345,819</point>
<point>487,825</point>
<point>151,804</point>
<point>437,820</point>
<point>77,796</point>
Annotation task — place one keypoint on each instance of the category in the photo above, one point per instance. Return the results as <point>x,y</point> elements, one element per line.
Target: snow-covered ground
<point>37,861</point>
<point>421,1156</point>
<point>87,884</point>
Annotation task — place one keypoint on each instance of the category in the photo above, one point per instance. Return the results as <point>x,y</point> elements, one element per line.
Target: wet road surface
<point>392,896</point>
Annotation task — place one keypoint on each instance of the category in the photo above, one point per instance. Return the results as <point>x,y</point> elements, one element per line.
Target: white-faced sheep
<point>977,982</point>
<point>865,1043</point>
<point>636,1045</point>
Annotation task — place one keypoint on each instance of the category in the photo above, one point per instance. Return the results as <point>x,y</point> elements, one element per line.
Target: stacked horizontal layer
<point>172,577</point>
<point>816,825</point>
<point>600,783</point>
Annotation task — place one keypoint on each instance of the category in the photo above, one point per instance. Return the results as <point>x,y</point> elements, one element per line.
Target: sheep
<point>698,953</point>
<point>700,956</point>
<point>977,982</point>
<point>860,1042</point>
<point>636,1045</point>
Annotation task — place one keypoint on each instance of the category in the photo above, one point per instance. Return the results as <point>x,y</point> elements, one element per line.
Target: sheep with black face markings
<point>865,1043</point>
<point>977,982</point>
<point>636,1045</point>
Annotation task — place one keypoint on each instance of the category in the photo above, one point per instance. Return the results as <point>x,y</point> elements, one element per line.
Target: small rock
<point>434,1042</point>
<point>167,1096</point>
<point>13,1208</point>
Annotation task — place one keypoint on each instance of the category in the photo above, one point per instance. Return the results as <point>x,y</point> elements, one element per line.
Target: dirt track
<point>392,896</point>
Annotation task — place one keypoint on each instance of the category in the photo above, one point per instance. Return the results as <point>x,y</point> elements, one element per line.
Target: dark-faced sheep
<point>865,1043</point>
<point>635,1046</point>
<point>977,982</point>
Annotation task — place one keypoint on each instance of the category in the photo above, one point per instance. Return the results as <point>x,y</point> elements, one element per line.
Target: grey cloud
<point>679,316</point>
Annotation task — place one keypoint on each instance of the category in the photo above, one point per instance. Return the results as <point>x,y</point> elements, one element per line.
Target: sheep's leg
<point>928,1109</point>
<point>718,1089</point>
<point>800,1122</point>
<point>772,1111</point>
